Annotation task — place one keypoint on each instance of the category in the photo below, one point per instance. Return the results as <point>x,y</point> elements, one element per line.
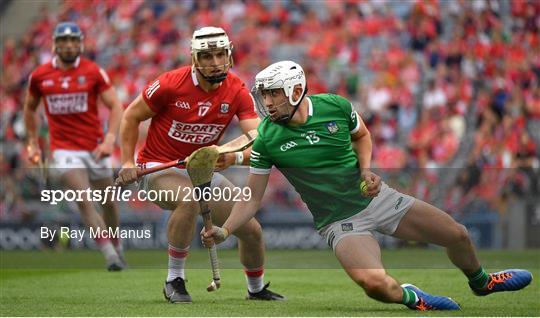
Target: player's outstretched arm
<point>242,211</point>
<point>239,158</point>
<point>31,104</point>
<point>136,112</point>
<point>111,101</point>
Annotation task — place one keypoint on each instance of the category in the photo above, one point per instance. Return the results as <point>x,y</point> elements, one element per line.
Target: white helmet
<point>208,39</point>
<point>284,74</point>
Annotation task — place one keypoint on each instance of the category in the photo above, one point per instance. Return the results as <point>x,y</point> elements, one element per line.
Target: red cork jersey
<point>70,99</point>
<point>188,118</point>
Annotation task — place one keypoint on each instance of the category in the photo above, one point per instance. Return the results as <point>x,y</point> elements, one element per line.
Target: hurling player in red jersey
<point>190,108</point>
<point>69,86</point>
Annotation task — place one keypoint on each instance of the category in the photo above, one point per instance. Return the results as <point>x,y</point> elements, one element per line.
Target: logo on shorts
<point>399,202</point>
<point>332,127</point>
<point>346,227</point>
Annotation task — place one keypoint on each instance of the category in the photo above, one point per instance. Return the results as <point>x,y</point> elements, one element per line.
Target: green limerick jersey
<point>316,157</point>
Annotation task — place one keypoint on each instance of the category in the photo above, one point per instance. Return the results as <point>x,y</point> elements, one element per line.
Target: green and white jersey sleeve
<point>260,160</point>
<point>354,121</point>
<point>317,158</point>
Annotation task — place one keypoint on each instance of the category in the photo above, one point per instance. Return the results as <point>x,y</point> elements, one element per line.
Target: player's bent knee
<point>188,207</point>
<point>186,212</point>
<point>250,232</point>
<point>461,234</point>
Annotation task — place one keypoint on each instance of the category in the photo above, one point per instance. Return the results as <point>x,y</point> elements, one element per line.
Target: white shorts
<point>383,215</point>
<point>217,178</point>
<point>64,160</point>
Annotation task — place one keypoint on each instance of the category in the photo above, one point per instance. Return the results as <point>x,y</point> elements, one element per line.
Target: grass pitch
<point>75,283</point>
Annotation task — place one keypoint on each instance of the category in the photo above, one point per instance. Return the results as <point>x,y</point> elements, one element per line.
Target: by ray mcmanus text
<point>94,233</point>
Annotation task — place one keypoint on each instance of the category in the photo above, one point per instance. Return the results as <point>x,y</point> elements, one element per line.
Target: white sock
<point>177,261</point>
<point>109,252</point>
<point>120,251</point>
<point>119,248</point>
<point>255,279</point>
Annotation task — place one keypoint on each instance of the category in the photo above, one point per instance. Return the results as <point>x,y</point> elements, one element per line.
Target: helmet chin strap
<point>286,118</point>
<point>216,79</point>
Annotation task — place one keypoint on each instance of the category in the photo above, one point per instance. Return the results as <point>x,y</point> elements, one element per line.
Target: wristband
<point>226,230</point>
<point>239,158</point>
<point>110,135</point>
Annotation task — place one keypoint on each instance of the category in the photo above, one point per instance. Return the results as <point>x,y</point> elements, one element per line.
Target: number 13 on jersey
<point>312,137</point>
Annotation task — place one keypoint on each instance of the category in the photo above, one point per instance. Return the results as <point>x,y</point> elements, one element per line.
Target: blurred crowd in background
<point>450,90</point>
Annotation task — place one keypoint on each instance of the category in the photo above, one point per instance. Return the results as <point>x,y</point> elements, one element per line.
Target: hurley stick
<point>200,168</point>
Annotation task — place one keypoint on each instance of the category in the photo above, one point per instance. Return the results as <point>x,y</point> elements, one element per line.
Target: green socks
<point>409,297</point>
<point>478,279</point>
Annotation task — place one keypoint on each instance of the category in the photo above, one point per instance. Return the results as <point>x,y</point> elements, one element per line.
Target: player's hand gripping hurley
<point>200,168</point>
<point>238,144</point>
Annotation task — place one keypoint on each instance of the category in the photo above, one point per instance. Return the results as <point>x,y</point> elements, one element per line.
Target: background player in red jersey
<point>190,108</point>
<point>69,86</point>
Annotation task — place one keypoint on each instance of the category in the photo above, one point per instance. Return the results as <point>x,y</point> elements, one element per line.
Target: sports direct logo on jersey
<point>71,103</point>
<point>198,134</point>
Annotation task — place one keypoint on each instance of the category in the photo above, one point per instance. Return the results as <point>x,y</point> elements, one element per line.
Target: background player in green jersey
<point>323,148</point>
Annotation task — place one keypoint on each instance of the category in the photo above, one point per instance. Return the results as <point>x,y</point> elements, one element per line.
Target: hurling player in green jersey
<point>323,148</point>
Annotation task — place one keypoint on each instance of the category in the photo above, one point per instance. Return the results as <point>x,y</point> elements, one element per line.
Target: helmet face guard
<point>285,75</point>
<point>211,39</point>
<point>63,31</point>
<point>215,78</point>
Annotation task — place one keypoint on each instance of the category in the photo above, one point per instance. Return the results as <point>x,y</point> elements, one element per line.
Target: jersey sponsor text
<point>199,134</point>
<point>71,103</point>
